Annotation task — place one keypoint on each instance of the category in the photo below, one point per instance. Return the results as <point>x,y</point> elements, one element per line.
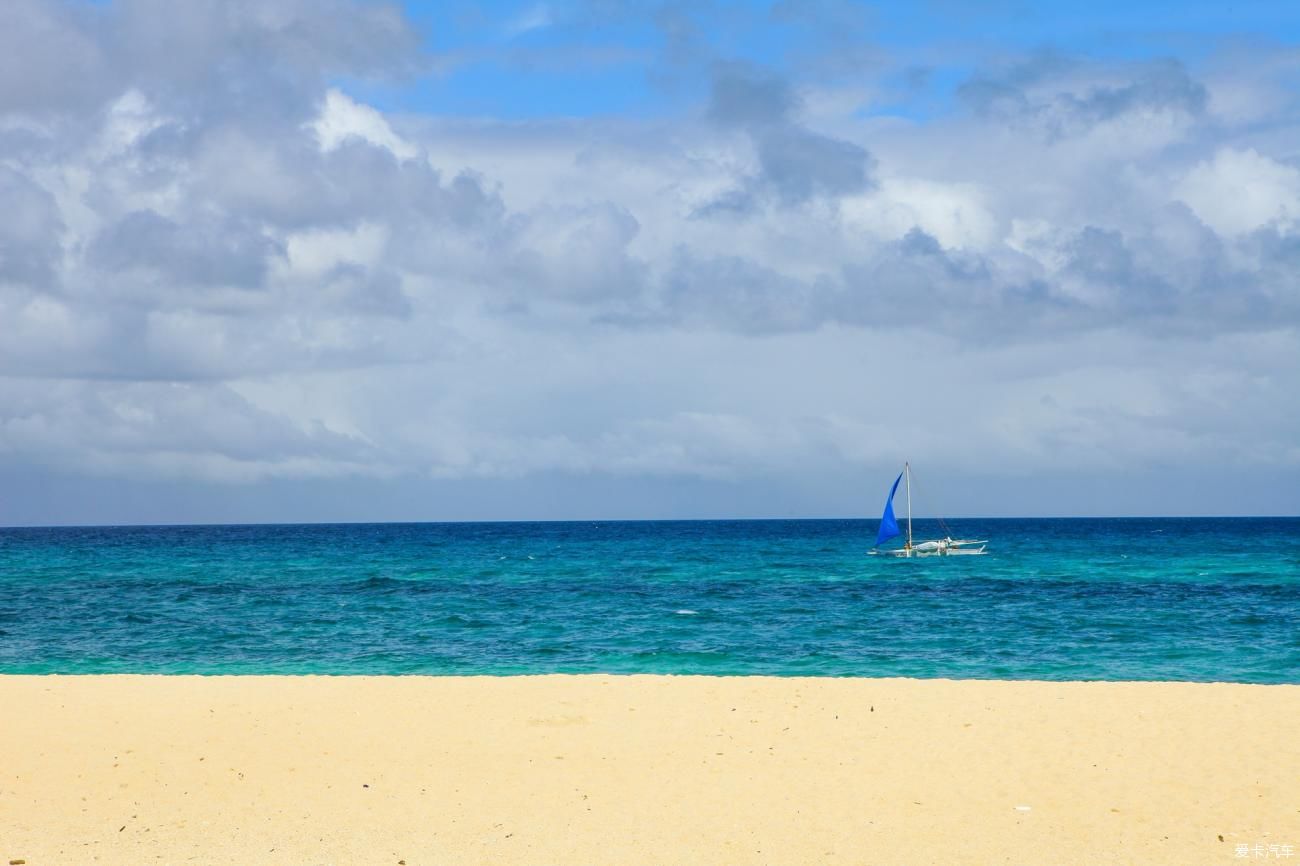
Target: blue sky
<point>540,59</point>
<point>355,260</point>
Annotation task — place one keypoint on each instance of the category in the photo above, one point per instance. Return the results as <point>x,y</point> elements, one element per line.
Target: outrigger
<point>947,546</point>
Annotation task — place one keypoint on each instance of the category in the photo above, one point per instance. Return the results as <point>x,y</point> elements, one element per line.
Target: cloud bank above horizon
<point>349,260</point>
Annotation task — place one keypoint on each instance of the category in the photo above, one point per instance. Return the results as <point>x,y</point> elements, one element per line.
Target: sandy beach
<point>644,769</point>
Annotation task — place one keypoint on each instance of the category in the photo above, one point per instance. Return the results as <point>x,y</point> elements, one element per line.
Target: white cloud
<point>954,213</point>
<point>1241,190</point>
<point>313,252</point>
<point>342,118</point>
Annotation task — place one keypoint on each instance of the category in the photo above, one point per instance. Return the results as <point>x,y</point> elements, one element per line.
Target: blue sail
<point>888,525</point>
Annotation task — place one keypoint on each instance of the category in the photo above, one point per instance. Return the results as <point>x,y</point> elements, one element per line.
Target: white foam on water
<point>686,612</point>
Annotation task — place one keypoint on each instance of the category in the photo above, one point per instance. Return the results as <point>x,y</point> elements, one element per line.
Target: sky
<point>337,260</point>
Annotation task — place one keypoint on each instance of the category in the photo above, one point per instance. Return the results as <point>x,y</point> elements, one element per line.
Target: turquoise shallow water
<point>1130,599</point>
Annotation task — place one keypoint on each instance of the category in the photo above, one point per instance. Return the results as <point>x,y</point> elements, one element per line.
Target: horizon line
<point>220,524</point>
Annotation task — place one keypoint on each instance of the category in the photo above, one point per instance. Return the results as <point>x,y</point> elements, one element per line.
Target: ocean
<point>1054,599</point>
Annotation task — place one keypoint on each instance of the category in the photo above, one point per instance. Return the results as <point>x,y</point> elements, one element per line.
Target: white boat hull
<point>947,547</point>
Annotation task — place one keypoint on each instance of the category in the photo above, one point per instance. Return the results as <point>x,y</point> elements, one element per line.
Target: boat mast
<point>907,470</point>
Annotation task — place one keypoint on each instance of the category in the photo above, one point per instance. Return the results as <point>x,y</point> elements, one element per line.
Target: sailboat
<point>947,546</point>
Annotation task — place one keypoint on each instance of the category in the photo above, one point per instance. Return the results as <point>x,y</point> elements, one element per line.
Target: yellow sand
<point>646,770</point>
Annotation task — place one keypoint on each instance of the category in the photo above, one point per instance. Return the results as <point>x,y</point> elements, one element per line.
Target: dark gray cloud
<point>796,164</point>
<point>367,291</point>
<point>748,98</point>
<point>50,58</point>
<point>800,165</point>
<point>1102,261</point>
<point>202,41</point>
<point>167,429</point>
<point>289,182</point>
<point>1104,279</point>
<point>576,254</point>
<point>1063,95</point>
<point>731,293</point>
<point>223,252</point>
<point>1162,85</point>
<point>30,228</point>
<point>205,56</point>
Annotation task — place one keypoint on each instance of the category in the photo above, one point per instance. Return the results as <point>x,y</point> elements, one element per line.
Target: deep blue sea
<point>1115,599</point>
